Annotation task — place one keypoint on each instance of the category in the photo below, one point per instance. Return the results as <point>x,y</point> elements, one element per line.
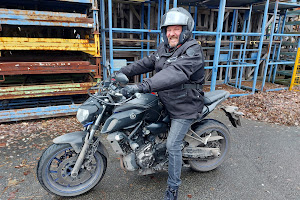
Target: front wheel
<point>215,128</point>
<point>55,166</point>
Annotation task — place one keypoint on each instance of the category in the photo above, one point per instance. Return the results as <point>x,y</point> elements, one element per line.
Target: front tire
<point>55,166</point>
<point>215,128</point>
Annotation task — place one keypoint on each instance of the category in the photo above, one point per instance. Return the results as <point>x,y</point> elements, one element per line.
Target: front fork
<point>87,141</point>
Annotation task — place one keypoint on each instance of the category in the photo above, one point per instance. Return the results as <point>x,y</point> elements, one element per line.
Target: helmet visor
<point>174,18</point>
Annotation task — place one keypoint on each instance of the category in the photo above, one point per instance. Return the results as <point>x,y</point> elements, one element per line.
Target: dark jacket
<point>184,65</point>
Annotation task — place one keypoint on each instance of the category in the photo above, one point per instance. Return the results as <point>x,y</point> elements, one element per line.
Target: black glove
<point>130,90</point>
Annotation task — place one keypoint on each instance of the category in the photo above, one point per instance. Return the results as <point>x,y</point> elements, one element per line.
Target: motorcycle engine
<point>144,156</point>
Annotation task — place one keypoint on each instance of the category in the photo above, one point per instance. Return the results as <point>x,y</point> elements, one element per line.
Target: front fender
<point>76,140</point>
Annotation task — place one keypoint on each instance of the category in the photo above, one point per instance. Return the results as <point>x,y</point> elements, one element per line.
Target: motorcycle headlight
<point>87,113</point>
<point>82,115</point>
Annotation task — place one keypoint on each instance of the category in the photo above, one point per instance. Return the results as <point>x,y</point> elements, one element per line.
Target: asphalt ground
<point>264,163</point>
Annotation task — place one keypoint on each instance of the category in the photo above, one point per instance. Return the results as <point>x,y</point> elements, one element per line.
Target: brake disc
<point>64,173</point>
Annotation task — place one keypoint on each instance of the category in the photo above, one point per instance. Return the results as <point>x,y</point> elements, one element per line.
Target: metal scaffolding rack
<point>243,41</point>
<point>49,56</point>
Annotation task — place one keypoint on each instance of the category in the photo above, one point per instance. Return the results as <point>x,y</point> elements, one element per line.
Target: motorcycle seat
<point>213,96</point>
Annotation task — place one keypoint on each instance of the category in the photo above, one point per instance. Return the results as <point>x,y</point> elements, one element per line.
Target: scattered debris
<point>12,182</point>
<point>278,107</point>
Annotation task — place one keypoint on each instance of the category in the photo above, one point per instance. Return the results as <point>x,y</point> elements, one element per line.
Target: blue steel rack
<point>241,61</point>
<point>275,60</point>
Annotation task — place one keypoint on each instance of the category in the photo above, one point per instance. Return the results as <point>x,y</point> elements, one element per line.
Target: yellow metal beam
<point>97,45</point>
<point>52,40</point>
<point>49,46</point>
<point>296,72</point>
<point>17,43</point>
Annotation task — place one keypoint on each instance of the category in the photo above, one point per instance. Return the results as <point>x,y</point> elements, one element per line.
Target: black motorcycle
<point>137,129</point>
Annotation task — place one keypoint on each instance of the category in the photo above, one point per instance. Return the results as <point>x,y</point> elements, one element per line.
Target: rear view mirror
<point>122,78</point>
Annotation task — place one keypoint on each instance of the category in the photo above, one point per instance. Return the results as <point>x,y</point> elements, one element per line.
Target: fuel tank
<point>145,107</point>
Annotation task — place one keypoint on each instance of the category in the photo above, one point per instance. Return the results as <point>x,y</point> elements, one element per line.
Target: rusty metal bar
<point>16,92</point>
<point>99,70</point>
<point>17,68</point>
<point>3,78</point>
<point>44,64</point>
<point>44,18</point>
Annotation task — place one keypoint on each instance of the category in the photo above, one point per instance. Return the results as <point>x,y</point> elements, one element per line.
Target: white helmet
<point>177,16</point>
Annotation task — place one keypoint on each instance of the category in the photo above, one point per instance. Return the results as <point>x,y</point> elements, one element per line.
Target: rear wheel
<point>55,166</point>
<point>215,128</point>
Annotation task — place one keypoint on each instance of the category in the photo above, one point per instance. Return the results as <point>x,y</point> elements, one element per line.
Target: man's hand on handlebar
<point>129,90</point>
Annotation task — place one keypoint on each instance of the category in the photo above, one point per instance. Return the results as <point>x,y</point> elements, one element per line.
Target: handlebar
<point>106,90</point>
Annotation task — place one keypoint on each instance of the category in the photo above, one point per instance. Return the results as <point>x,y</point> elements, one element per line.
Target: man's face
<point>173,33</point>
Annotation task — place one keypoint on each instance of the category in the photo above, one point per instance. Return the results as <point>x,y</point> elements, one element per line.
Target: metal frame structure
<point>140,31</point>
<point>249,36</point>
<point>279,34</point>
<point>62,16</point>
<point>238,47</point>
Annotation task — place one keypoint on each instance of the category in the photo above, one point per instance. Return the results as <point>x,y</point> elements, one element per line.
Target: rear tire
<point>214,127</point>
<point>55,166</point>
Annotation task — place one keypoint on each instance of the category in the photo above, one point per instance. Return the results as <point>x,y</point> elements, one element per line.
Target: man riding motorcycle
<point>179,67</point>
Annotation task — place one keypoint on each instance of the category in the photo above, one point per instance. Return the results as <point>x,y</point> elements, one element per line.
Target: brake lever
<point>118,94</point>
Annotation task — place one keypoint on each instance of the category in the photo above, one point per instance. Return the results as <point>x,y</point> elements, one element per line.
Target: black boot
<point>171,194</point>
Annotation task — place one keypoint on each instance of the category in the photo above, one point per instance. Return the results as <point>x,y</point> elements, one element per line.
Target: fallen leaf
<point>26,173</point>
<point>12,194</point>
<point>24,162</point>
<point>12,182</point>
<point>2,145</point>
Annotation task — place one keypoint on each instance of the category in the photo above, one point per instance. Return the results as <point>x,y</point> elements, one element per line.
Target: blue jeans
<point>179,127</point>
